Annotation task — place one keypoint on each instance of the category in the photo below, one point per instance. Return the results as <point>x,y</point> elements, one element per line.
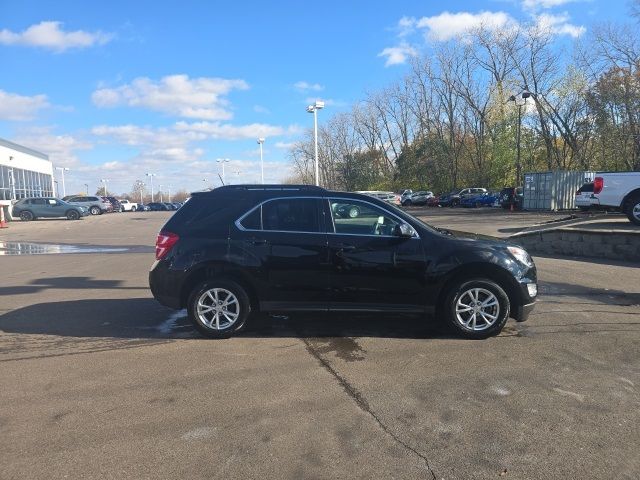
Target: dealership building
<point>23,173</point>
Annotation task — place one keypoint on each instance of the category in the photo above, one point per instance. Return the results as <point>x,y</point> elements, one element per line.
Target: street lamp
<point>169,192</point>
<point>140,186</point>
<point>13,180</point>
<point>520,100</point>
<point>86,187</point>
<point>223,161</point>
<point>261,141</point>
<point>160,192</point>
<point>104,185</point>
<point>318,105</point>
<point>62,170</point>
<point>151,175</point>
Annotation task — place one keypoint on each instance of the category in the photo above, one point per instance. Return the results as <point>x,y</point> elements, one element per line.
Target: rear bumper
<point>165,285</point>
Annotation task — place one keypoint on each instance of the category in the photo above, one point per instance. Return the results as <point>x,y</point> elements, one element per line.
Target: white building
<point>23,173</point>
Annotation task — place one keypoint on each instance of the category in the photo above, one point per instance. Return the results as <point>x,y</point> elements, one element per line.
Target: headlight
<point>521,255</point>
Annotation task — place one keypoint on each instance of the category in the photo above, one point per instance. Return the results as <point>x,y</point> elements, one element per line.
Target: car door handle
<point>257,242</point>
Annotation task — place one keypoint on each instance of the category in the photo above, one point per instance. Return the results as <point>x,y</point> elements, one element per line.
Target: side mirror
<point>404,230</point>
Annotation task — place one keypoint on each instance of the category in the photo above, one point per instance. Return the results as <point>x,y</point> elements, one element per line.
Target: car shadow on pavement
<point>145,318</point>
<point>69,283</point>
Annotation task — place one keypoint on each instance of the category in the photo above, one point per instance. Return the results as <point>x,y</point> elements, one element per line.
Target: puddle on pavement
<point>23,248</point>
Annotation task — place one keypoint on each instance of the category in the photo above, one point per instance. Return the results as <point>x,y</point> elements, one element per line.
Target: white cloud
<point>559,24</point>
<point>303,86</point>
<point>223,131</point>
<point>20,108</point>
<point>179,95</point>
<point>398,55</point>
<point>62,149</point>
<point>261,109</point>
<point>284,145</point>
<point>406,26</point>
<point>450,25</point>
<point>49,35</point>
<point>539,4</point>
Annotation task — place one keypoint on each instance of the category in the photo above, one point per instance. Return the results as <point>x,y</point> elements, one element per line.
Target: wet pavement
<point>25,248</point>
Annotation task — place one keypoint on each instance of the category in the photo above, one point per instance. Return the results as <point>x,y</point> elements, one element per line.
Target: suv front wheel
<point>218,308</point>
<point>477,308</point>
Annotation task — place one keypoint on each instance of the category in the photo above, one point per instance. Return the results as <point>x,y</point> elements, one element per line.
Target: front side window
<point>355,217</point>
<point>291,215</point>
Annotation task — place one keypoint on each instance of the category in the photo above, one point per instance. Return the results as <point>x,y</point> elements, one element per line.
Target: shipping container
<point>553,190</point>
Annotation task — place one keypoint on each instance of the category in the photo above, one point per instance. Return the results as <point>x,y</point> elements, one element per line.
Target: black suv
<point>275,248</point>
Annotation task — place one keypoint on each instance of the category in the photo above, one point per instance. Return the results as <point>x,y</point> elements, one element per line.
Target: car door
<point>285,248</point>
<point>56,208</point>
<point>372,268</point>
<point>39,207</point>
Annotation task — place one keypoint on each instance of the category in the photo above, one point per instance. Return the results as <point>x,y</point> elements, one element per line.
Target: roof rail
<point>270,187</point>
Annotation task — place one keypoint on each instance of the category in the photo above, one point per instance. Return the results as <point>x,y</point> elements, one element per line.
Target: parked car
<point>115,203</point>
<point>585,199</point>
<point>487,199</point>
<point>452,199</point>
<point>47,207</point>
<point>177,205</point>
<point>170,206</point>
<point>433,201</point>
<point>157,207</point>
<point>95,205</point>
<point>110,206</point>
<point>127,206</point>
<point>406,193</point>
<point>417,198</point>
<point>270,249</point>
<point>620,191</point>
<point>512,197</point>
<point>142,208</point>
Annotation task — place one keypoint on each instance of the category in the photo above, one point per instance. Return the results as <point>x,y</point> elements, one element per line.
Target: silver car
<point>95,205</point>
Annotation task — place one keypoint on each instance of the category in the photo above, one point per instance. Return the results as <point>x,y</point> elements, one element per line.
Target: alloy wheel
<point>218,309</point>
<point>636,211</point>
<point>477,309</point>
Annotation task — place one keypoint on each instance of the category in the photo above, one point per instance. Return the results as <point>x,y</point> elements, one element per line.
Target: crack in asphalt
<point>363,405</point>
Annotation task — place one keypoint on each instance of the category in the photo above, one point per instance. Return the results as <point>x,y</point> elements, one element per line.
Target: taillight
<point>164,243</point>
<point>598,184</point>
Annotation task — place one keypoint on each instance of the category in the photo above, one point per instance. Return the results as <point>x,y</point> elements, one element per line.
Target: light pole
<point>238,172</point>
<point>62,170</point>
<point>261,141</point>
<point>13,180</point>
<point>104,186</point>
<point>318,105</point>
<point>151,175</point>
<point>223,161</point>
<point>160,192</point>
<point>86,188</point>
<point>169,192</point>
<point>520,100</point>
<point>140,186</point>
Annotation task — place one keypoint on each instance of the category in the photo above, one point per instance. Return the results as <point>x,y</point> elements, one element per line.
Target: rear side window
<point>291,215</point>
<point>253,220</point>
<point>38,201</point>
<point>586,188</point>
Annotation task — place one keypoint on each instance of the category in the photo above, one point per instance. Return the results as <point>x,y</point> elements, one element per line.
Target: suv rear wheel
<point>95,210</point>
<point>476,308</point>
<point>218,308</point>
<point>633,210</point>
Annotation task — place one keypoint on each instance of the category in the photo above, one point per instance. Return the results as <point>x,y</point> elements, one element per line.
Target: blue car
<point>486,199</point>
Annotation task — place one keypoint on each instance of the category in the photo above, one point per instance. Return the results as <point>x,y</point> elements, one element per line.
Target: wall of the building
<point>32,173</point>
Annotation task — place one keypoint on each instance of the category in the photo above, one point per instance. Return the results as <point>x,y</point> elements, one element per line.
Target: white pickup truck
<point>128,206</point>
<point>620,190</point>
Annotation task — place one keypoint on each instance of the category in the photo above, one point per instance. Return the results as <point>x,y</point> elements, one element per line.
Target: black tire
<point>27,216</point>
<point>73,215</point>
<point>95,210</point>
<point>244,307</point>
<point>583,209</point>
<point>133,209</point>
<point>459,290</point>
<point>407,203</point>
<point>633,209</point>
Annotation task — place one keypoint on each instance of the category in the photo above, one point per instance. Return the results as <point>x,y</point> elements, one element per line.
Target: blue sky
<point>118,89</point>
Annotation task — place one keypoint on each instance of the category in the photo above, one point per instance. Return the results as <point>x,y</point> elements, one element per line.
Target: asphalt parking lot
<point>99,381</point>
